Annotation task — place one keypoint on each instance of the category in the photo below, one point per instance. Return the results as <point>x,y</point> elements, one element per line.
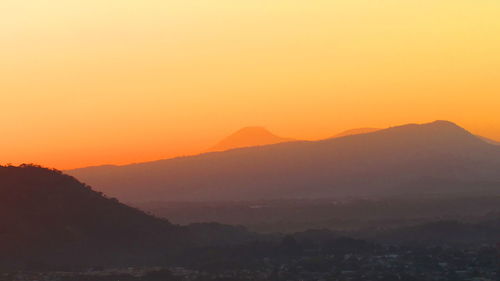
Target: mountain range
<point>49,219</point>
<point>408,160</point>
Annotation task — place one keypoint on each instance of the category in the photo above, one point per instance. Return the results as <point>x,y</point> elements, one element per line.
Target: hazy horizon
<point>116,82</point>
<point>205,148</point>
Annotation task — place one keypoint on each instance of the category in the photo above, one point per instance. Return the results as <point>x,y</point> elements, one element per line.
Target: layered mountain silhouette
<point>51,218</point>
<point>247,137</point>
<point>438,157</point>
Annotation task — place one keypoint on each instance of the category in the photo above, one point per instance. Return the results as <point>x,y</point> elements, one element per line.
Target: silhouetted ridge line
<point>435,157</point>
<point>357,131</point>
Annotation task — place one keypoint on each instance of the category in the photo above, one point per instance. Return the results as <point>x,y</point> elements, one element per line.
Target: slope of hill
<point>357,131</point>
<point>248,136</point>
<point>438,157</point>
<point>490,141</point>
<point>48,217</point>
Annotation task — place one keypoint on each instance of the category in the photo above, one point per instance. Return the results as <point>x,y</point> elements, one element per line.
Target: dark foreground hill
<point>47,217</point>
<point>434,158</point>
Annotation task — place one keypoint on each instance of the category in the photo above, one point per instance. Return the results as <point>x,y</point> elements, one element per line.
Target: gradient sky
<point>119,81</point>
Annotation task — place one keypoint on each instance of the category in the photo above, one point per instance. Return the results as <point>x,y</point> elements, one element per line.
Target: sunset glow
<point>113,82</point>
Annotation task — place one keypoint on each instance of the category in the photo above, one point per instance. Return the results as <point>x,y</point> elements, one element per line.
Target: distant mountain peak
<point>443,124</point>
<point>440,125</point>
<point>440,132</point>
<point>248,136</point>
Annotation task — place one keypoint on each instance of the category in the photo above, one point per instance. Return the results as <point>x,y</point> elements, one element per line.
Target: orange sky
<point>119,81</point>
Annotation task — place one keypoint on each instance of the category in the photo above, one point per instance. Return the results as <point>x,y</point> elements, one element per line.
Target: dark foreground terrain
<point>49,219</point>
<point>55,228</point>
